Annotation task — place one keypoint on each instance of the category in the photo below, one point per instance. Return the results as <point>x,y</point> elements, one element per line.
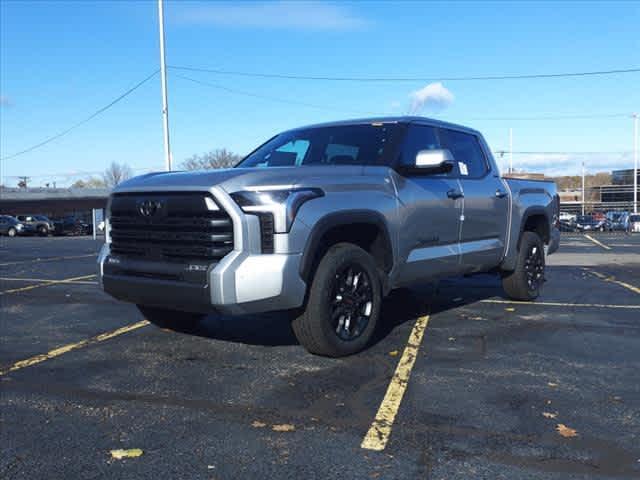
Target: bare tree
<point>91,182</point>
<point>219,158</point>
<point>116,173</point>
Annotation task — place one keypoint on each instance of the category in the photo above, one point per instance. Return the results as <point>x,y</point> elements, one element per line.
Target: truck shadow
<point>274,328</point>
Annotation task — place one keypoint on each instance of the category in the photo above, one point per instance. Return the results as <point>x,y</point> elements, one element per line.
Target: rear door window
<point>467,153</point>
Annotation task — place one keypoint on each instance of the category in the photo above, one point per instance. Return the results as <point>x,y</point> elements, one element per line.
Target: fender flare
<point>336,219</point>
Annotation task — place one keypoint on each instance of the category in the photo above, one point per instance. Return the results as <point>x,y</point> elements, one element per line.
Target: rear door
<point>486,202</point>
<point>430,209</point>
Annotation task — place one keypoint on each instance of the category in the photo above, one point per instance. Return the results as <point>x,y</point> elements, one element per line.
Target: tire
<point>43,231</point>
<point>518,285</point>
<point>172,319</point>
<point>12,232</point>
<point>346,285</point>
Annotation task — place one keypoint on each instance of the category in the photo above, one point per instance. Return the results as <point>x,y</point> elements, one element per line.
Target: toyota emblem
<point>148,208</point>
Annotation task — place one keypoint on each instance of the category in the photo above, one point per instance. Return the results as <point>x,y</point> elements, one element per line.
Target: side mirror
<point>428,162</point>
<point>434,161</point>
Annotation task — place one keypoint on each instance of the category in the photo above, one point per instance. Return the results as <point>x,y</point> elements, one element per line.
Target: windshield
<point>634,218</point>
<point>41,218</point>
<point>340,145</point>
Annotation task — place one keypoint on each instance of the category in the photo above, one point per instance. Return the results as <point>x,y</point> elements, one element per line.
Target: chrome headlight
<point>283,204</point>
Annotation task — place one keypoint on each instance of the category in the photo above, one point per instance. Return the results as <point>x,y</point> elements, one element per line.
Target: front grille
<point>173,226</point>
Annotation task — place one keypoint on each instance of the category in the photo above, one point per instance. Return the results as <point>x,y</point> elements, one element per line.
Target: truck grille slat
<point>178,226</point>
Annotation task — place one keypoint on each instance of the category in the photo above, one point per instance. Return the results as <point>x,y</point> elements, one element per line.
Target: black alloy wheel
<point>352,303</point>
<point>534,267</point>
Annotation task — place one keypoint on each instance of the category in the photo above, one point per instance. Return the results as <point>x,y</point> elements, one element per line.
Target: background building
<point>53,202</point>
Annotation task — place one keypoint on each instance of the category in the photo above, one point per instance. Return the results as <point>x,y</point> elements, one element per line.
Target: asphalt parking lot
<point>492,388</point>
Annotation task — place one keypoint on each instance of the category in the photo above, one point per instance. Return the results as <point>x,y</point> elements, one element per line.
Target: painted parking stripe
<point>612,279</point>
<point>600,244</point>
<point>56,352</point>
<point>44,280</point>
<point>51,259</point>
<point>560,304</point>
<point>380,430</point>
<point>46,284</point>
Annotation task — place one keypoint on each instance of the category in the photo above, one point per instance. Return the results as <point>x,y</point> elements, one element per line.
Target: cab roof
<point>405,119</point>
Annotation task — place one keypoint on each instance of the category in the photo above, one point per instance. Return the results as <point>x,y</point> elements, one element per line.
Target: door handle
<point>500,193</point>
<point>455,193</point>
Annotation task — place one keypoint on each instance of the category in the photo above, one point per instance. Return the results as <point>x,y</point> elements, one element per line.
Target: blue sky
<point>61,61</point>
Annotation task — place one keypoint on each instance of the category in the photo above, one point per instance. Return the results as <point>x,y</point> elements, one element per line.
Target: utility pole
<point>635,163</point>
<point>583,198</point>
<point>163,81</point>
<point>510,150</point>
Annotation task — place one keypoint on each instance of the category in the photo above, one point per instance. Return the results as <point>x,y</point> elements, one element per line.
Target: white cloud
<point>5,101</point>
<point>434,97</point>
<point>275,15</point>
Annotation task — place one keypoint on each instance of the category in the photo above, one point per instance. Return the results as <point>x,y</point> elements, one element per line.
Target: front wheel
<point>43,231</point>
<point>173,319</point>
<point>525,282</point>
<point>343,305</point>
<point>12,232</point>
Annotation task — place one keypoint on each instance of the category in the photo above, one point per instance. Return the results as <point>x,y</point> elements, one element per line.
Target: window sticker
<point>463,168</point>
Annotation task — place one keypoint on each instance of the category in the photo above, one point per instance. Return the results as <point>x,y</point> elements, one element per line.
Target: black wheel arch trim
<point>336,219</point>
<point>534,210</point>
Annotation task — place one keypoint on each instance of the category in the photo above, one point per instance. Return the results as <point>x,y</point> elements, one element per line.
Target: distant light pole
<point>583,198</point>
<point>511,150</point>
<point>635,163</point>
<point>163,81</point>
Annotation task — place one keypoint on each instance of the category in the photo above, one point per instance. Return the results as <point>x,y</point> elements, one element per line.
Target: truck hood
<point>235,179</point>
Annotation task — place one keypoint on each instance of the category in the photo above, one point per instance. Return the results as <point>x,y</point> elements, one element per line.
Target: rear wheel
<point>12,232</point>
<point>344,303</point>
<point>172,319</point>
<point>525,282</point>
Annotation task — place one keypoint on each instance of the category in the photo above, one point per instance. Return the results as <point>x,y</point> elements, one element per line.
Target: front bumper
<point>240,283</point>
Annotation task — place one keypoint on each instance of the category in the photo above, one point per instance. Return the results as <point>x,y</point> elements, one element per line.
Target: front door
<point>430,211</point>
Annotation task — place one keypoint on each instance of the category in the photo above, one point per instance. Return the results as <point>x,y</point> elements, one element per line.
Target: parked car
<point>634,222</point>
<point>567,217</point>
<point>618,220</point>
<point>325,221</point>
<point>10,226</point>
<point>588,223</point>
<point>36,224</point>
<point>71,225</point>
<point>566,226</point>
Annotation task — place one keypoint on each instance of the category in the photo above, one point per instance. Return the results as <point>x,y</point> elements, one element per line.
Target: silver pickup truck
<point>324,221</point>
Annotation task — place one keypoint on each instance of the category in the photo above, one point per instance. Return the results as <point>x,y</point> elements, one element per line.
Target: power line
<point>267,97</point>
<point>554,117</point>
<point>288,76</point>
<point>84,173</point>
<point>336,109</point>
<point>82,122</point>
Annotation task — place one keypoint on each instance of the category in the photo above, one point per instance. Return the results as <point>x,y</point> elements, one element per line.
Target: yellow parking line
<point>44,280</point>
<point>606,247</point>
<point>46,283</point>
<point>612,279</point>
<point>56,352</point>
<point>380,430</point>
<point>561,304</point>
<point>52,259</point>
